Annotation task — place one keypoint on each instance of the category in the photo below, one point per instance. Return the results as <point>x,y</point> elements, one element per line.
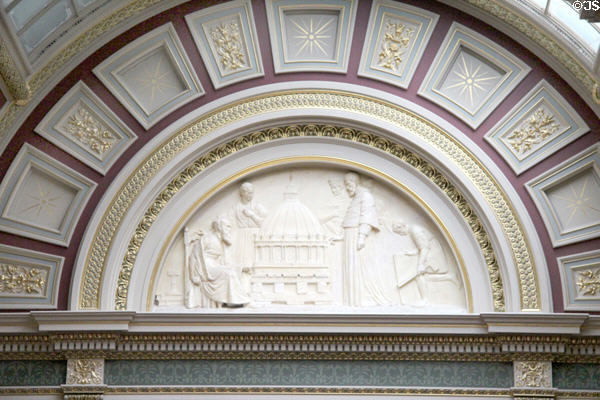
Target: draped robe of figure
<point>248,227</point>
<point>216,281</point>
<point>360,283</point>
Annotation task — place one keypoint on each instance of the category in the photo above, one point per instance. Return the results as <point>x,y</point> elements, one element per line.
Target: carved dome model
<point>291,256</point>
<point>292,220</point>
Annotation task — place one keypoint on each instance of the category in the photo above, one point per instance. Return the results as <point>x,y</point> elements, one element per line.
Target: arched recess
<point>122,244</point>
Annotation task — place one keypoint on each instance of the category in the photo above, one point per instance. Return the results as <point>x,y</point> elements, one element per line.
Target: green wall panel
<point>32,373</point>
<point>576,376</point>
<point>305,373</point>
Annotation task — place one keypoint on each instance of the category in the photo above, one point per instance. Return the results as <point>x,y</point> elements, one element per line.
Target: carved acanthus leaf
<point>533,374</point>
<point>394,45</point>
<point>588,282</point>
<point>21,279</point>
<point>89,132</point>
<point>228,42</point>
<point>536,130</point>
<point>85,371</point>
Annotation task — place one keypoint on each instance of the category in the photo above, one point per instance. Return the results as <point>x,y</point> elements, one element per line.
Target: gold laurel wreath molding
<point>90,290</point>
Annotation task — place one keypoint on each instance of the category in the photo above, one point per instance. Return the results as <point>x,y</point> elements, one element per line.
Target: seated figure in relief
<point>215,282</point>
<point>431,263</point>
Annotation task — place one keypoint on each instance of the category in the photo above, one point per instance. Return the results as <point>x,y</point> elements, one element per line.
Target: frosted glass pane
<point>83,3</point>
<point>46,24</point>
<point>538,3</point>
<point>23,11</point>
<point>563,11</point>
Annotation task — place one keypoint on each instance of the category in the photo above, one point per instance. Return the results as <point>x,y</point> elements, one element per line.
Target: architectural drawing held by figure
<point>423,265</point>
<point>211,280</point>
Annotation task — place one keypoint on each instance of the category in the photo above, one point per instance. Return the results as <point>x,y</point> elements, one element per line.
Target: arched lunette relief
<point>316,238</point>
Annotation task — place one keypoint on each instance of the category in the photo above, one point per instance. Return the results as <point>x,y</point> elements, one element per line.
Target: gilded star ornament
<point>312,34</point>
<point>152,79</point>
<point>580,201</point>
<point>470,78</point>
<point>43,202</point>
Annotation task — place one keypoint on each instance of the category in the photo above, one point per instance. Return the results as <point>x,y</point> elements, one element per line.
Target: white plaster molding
<point>324,30</point>
<point>543,26</point>
<point>255,122</point>
<point>580,280</point>
<point>84,321</point>
<point>542,123</point>
<point>226,38</point>
<point>50,212</point>
<point>35,278</point>
<point>151,76</point>
<point>93,123</point>
<point>58,75</point>
<point>559,324</point>
<point>127,321</point>
<point>400,45</point>
<point>471,75</point>
<point>567,196</point>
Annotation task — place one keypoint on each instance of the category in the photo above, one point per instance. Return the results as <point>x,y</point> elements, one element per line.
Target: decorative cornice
<point>276,337</point>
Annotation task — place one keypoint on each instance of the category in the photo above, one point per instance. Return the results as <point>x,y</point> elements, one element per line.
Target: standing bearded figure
<point>360,222</point>
<point>249,216</point>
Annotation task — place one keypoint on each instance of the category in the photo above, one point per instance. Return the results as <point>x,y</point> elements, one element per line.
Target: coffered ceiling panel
<point>41,198</point>
<point>580,277</point>
<point>152,76</point>
<point>81,124</point>
<point>471,75</point>
<point>396,38</point>
<point>542,123</point>
<point>28,279</point>
<point>309,36</point>
<point>226,38</point>
<point>568,198</point>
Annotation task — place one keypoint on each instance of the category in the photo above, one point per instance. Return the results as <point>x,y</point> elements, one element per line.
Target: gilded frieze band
<point>340,101</point>
<point>10,74</point>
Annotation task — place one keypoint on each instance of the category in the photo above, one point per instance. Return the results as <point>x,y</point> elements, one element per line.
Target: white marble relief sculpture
<point>212,280</point>
<point>248,216</point>
<point>312,238</point>
<point>336,207</point>
<point>360,228</point>
<point>291,263</point>
<point>424,265</point>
